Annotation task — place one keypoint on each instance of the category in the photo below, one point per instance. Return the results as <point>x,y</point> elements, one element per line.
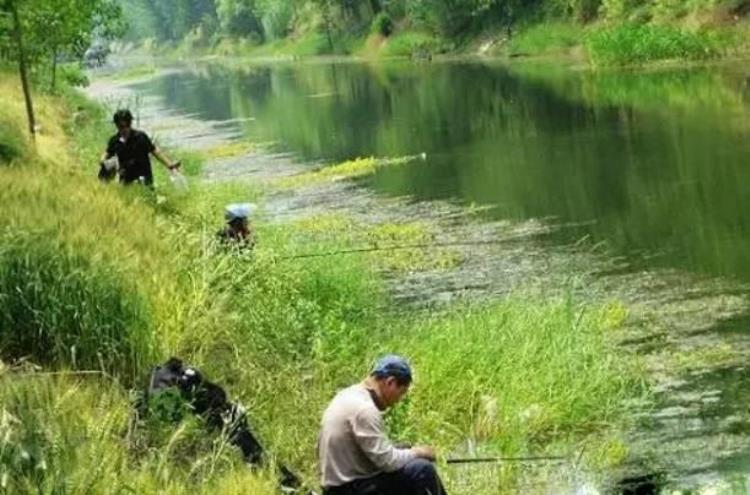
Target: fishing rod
<point>488,460</point>
<point>371,249</point>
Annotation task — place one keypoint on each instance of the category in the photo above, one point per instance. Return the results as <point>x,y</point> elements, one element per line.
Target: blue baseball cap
<point>239,211</point>
<point>392,365</point>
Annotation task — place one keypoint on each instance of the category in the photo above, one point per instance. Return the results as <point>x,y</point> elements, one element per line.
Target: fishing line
<point>491,460</point>
<point>372,249</point>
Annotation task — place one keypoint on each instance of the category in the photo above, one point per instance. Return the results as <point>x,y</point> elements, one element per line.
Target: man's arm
<point>369,433</point>
<point>164,159</point>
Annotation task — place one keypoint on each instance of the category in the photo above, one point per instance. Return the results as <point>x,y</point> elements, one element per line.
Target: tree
<point>41,31</point>
<point>10,9</point>
<point>65,29</point>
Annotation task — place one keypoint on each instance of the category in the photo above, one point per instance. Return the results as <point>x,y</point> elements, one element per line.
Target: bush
<point>546,38</point>
<point>410,43</point>
<point>64,310</point>
<point>382,25</point>
<point>277,19</point>
<point>587,10</point>
<point>631,44</point>
<point>619,9</point>
<point>12,142</point>
<point>73,75</point>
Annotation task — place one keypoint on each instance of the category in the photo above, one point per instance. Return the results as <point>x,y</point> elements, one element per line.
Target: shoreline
<point>164,66</point>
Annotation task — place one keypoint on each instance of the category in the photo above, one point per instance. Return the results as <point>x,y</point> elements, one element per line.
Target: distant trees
<point>64,29</point>
<point>171,20</point>
<point>262,20</point>
<point>254,19</point>
<point>240,18</point>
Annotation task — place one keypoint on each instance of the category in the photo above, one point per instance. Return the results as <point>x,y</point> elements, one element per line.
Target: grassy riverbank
<point>113,280</point>
<point>598,45</point>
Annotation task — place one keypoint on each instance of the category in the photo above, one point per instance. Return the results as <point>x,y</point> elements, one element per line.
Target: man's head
<point>123,120</point>
<point>238,215</point>
<point>393,377</point>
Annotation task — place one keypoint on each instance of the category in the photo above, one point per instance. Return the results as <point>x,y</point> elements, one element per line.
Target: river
<point>647,169</point>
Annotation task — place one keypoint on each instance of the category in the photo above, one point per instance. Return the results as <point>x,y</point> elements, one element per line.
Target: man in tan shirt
<point>356,456</point>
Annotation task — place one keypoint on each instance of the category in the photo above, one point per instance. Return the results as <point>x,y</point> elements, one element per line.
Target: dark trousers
<point>418,477</point>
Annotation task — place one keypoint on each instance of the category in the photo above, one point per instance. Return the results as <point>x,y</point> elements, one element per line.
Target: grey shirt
<point>352,443</point>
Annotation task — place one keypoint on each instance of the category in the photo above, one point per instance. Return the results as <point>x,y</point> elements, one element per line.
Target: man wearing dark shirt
<point>133,149</point>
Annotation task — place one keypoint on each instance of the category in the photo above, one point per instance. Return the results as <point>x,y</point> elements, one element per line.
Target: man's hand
<point>424,452</point>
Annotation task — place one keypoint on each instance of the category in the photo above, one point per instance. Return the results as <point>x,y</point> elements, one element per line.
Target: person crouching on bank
<point>356,456</point>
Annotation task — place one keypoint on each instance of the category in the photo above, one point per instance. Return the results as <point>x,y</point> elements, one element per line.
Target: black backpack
<point>210,401</point>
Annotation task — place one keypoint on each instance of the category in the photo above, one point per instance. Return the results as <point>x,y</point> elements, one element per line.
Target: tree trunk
<point>22,68</point>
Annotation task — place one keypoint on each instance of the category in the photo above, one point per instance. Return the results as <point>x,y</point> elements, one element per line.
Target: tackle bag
<point>210,401</point>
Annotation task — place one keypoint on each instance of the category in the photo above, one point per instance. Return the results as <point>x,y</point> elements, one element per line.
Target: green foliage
<point>584,10</point>
<point>12,141</point>
<point>277,17</point>
<point>55,30</point>
<point>73,75</point>
<point>315,27</point>
<point>620,9</point>
<point>631,44</point>
<point>547,38</point>
<point>408,43</point>
<point>167,20</point>
<point>239,18</point>
<point>64,309</point>
<point>382,25</point>
<point>168,406</point>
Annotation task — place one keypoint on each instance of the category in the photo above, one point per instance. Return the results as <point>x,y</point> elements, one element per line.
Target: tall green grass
<point>547,38</point>
<point>519,373</point>
<point>60,308</point>
<point>74,435</point>
<point>12,142</point>
<point>410,43</point>
<point>638,44</point>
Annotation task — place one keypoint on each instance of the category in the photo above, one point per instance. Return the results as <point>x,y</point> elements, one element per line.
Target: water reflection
<point>651,163</point>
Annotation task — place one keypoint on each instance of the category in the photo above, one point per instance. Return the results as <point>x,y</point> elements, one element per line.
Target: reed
<point>639,44</point>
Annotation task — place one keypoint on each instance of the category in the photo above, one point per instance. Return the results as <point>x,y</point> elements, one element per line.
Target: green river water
<point>655,164</point>
<point>652,165</point>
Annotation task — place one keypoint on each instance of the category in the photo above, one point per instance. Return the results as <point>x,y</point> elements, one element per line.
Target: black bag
<point>210,401</point>
<point>106,175</point>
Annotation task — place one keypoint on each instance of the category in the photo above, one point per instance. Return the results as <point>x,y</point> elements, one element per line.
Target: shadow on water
<point>649,168</point>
